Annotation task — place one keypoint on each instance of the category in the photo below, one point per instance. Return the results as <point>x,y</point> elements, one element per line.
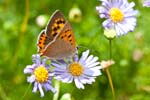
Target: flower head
<point>81,71</point>
<point>146,3</point>
<point>40,75</point>
<point>119,15</point>
<point>106,64</point>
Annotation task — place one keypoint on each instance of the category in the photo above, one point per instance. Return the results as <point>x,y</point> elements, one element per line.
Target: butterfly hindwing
<point>55,25</point>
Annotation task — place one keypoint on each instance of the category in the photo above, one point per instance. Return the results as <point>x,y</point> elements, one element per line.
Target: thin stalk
<point>57,87</point>
<point>108,72</point>
<point>26,92</point>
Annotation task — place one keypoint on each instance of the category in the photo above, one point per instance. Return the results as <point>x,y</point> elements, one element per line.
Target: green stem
<point>26,92</point>
<point>108,72</point>
<point>57,87</point>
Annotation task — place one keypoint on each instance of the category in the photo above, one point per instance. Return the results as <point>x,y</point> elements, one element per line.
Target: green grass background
<point>18,42</point>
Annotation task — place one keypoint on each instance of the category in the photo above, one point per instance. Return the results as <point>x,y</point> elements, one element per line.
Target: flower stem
<point>26,92</point>
<point>57,87</point>
<point>108,72</point>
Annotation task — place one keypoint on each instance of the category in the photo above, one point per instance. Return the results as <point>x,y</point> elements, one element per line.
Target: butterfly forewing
<point>57,41</point>
<point>68,35</point>
<point>55,25</point>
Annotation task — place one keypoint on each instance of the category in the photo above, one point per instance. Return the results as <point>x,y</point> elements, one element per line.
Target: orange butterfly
<point>57,40</point>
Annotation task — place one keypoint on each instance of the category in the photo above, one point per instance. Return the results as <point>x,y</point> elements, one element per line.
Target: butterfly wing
<point>42,42</point>
<point>63,46</point>
<point>55,25</point>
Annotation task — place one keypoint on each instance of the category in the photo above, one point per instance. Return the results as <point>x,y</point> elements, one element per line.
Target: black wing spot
<point>58,22</point>
<point>69,36</point>
<point>55,29</point>
<point>62,37</point>
<point>39,42</point>
<point>63,22</point>
<point>54,34</point>
<point>58,27</point>
<point>42,34</point>
<point>66,31</point>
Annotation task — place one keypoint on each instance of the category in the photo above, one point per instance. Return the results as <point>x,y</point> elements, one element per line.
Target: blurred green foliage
<point>130,74</point>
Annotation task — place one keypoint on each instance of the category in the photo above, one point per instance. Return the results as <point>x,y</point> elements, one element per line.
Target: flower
<point>106,64</point>
<point>40,75</point>
<point>110,33</point>
<point>75,14</point>
<point>119,15</point>
<point>146,3</point>
<point>81,71</point>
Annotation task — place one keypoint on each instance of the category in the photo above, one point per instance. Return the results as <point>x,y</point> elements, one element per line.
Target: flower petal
<point>41,90</point>
<point>78,84</point>
<point>28,69</point>
<point>92,61</point>
<point>35,88</point>
<point>31,79</point>
<point>84,56</point>
<point>92,72</point>
<point>48,86</point>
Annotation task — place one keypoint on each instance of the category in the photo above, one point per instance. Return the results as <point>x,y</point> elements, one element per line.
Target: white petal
<point>60,66</point>
<point>41,90</point>
<point>89,59</point>
<point>84,56</point>
<point>92,72</point>
<point>68,79</point>
<point>44,61</point>
<point>28,69</point>
<point>93,64</point>
<point>82,80</point>
<point>31,79</point>
<point>106,23</point>
<point>35,87</point>
<point>52,89</point>
<point>78,84</point>
<point>132,4</point>
<point>92,61</point>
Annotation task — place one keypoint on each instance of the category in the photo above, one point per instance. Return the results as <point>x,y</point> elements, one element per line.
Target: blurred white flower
<point>106,64</point>
<point>41,20</point>
<point>75,14</point>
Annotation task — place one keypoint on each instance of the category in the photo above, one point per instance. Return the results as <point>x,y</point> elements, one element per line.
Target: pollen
<point>75,69</point>
<point>41,74</point>
<point>116,15</point>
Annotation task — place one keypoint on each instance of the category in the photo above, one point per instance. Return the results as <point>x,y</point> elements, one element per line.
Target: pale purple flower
<point>40,75</point>
<point>146,3</point>
<point>119,15</point>
<point>81,71</point>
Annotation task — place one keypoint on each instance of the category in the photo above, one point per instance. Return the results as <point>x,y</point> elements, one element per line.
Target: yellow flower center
<point>41,74</point>
<point>116,15</point>
<point>75,69</point>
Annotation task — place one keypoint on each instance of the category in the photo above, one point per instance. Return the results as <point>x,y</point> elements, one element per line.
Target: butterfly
<point>57,40</point>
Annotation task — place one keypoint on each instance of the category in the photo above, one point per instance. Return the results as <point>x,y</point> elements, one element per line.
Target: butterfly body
<point>57,41</point>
